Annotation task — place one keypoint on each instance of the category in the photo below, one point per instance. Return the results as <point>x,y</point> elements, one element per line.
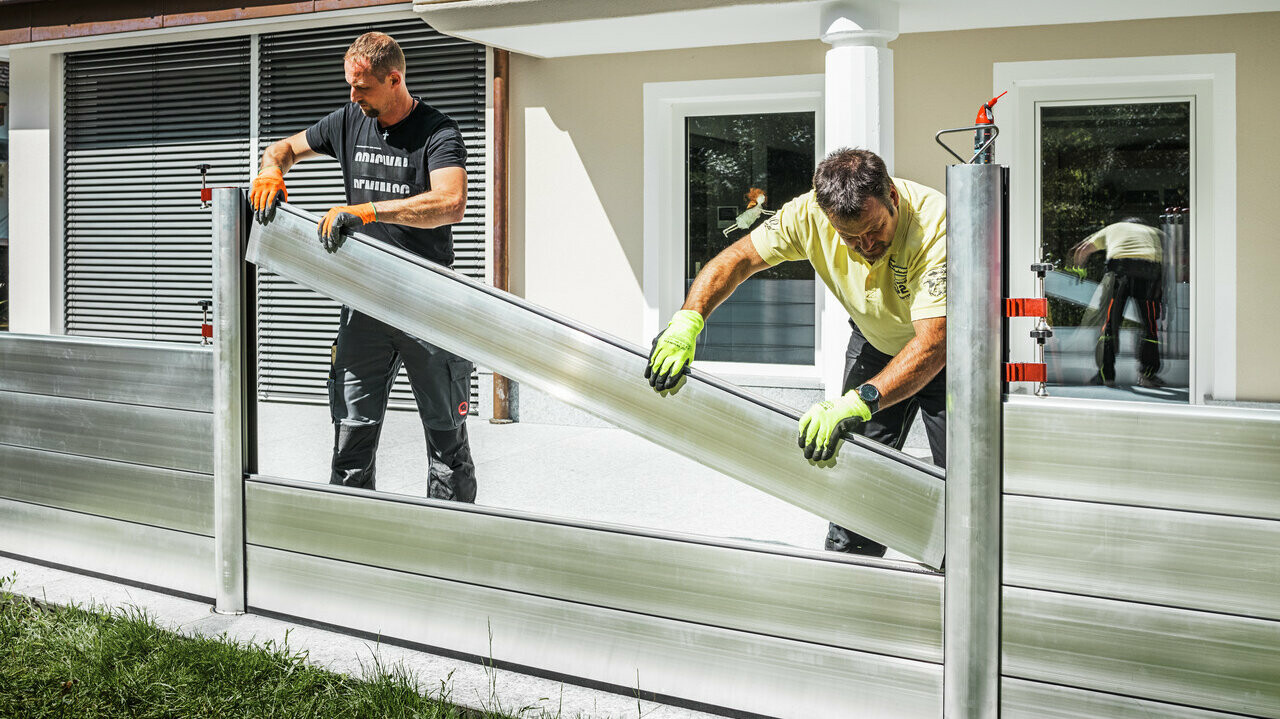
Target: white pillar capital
<point>859,22</point>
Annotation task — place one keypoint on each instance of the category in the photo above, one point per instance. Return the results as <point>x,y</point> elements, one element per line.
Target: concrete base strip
<point>467,684</point>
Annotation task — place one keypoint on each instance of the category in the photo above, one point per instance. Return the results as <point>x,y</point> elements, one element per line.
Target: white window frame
<point>1208,82</point>
<point>666,106</point>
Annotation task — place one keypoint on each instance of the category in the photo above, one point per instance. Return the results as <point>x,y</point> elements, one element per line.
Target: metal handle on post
<point>995,132</point>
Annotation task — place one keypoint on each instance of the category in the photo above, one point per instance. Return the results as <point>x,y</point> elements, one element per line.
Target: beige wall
<point>577,159</point>
<point>938,77</point>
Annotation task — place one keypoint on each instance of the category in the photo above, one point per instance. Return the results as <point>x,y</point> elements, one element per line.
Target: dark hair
<point>846,179</point>
<point>381,52</point>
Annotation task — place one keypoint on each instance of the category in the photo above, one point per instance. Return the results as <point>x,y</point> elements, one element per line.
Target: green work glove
<point>672,351</point>
<point>1079,273</point>
<point>822,425</point>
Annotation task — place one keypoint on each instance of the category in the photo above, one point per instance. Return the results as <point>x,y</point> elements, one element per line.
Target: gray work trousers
<point>889,426</point>
<point>367,355</point>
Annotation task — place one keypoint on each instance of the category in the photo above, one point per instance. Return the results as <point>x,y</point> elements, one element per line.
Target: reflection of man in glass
<point>1133,271</point>
<point>404,168</point>
<point>880,245</point>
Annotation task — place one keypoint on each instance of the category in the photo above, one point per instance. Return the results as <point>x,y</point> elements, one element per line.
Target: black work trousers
<point>1138,279</point>
<point>366,358</point>
<point>889,426</point>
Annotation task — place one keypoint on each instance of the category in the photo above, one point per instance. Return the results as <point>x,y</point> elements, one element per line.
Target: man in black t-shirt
<point>404,168</point>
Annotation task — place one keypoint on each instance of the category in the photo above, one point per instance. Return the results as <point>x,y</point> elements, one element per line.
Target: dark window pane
<point>1115,188</point>
<point>731,161</point>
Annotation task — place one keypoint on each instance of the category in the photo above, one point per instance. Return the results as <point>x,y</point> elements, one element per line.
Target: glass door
<point>740,169</point>
<point>1115,184</point>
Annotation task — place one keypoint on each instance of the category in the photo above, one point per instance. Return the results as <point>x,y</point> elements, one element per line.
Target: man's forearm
<point>278,154</point>
<point>914,367</point>
<point>426,210</point>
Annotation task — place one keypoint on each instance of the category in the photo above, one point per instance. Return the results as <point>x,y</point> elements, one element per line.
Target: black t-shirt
<point>389,163</point>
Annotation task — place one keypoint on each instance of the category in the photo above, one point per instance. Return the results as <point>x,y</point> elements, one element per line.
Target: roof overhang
<point>560,28</point>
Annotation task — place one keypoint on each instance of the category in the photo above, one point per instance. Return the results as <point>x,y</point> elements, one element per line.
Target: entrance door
<point>1114,184</point>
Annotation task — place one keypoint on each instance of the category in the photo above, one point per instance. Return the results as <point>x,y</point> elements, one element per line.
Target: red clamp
<point>206,327</point>
<point>1026,307</point>
<point>1025,372</point>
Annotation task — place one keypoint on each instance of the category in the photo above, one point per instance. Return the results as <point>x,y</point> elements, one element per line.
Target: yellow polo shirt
<point>907,283</point>
<point>1128,240</point>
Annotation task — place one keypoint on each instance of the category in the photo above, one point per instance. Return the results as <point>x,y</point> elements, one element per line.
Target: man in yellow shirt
<point>1134,255</point>
<point>880,245</point>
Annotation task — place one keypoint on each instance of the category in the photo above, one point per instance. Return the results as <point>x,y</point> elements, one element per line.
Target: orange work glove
<point>340,221</point>
<point>266,193</point>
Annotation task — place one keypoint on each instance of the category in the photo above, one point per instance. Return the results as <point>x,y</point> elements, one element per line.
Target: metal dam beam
<point>888,496</point>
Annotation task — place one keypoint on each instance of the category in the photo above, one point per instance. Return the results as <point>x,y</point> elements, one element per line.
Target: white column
<point>859,113</point>
<point>35,85</point>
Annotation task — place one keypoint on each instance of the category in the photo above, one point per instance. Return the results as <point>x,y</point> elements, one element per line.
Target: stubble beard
<point>873,256</point>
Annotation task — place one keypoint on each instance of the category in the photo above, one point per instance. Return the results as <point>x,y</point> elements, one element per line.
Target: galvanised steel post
<point>229,232</point>
<point>971,614</point>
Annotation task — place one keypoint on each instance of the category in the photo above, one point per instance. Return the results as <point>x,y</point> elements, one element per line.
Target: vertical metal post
<point>971,627</point>
<point>228,399</point>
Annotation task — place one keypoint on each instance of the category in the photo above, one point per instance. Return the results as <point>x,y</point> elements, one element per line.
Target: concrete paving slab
<point>465,683</point>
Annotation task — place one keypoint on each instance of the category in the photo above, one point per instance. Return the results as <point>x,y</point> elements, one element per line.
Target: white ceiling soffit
<point>560,28</point>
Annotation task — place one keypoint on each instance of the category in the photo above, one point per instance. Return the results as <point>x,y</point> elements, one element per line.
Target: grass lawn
<point>91,663</point>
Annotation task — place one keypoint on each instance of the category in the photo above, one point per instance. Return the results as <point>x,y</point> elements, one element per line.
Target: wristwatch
<point>869,394</point>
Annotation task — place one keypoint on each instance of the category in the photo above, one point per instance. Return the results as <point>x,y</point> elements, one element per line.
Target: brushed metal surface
<point>156,437</point>
<point>1211,661</point>
<point>776,677</point>
<point>1205,459</point>
<point>871,608</point>
<point>1159,556</point>
<point>118,490</point>
<point>971,672</point>
<point>229,218</point>
<point>1022,699</point>
<point>146,373</point>
<point>136,552</point>
<point>880,493</point>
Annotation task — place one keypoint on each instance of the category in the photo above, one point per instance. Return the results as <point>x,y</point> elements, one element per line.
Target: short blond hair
<point>380,50</point>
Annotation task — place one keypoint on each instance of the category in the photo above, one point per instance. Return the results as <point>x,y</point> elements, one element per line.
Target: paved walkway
<point>597,473</point>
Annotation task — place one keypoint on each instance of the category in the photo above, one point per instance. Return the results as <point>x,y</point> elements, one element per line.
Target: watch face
<point>869,393</point>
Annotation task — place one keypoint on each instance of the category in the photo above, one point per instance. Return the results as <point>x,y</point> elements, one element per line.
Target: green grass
<point>91,663</point>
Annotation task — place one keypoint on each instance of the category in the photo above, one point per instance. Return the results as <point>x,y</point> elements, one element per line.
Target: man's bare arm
<point>1080,253</point>
<point>285,153</point>
<point>722,275</point>
<point>444,204</point>
<point>916,365</point>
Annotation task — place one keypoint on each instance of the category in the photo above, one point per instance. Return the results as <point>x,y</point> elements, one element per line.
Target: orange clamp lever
<point>1026,307</point>
<point>1026,372</point>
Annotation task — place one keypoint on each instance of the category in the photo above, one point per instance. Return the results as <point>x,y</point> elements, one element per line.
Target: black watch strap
<point>869,394</point>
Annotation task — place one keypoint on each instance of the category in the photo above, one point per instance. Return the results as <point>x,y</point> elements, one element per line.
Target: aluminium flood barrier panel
<point>886,495</point>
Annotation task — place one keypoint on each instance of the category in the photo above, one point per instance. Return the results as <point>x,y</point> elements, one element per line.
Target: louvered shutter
<point>301,80</point>
<point>138,121</point>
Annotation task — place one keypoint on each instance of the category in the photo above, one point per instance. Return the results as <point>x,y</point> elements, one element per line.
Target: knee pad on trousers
<point>354,450</point>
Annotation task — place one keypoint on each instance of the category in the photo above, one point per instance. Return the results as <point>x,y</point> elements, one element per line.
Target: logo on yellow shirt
<point>935,282</point>
<point>899,279</point>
